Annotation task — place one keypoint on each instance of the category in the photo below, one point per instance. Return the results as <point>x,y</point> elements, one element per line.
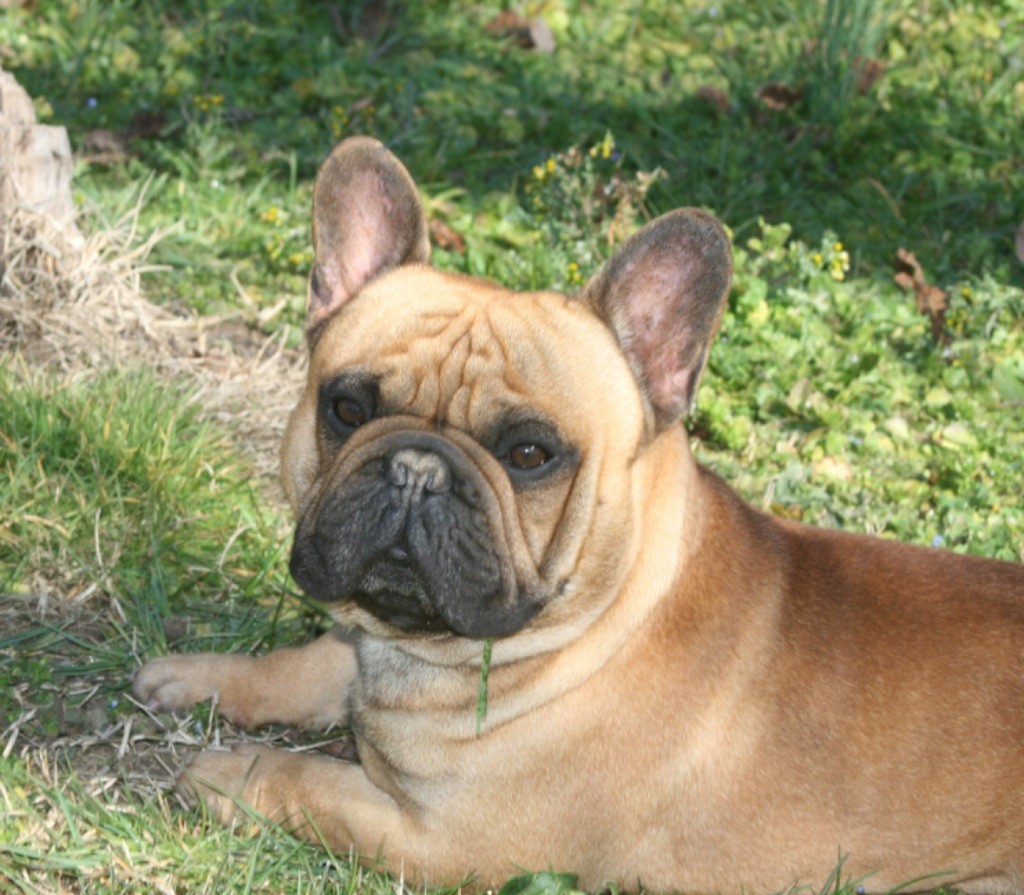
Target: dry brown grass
<point>78,306</point>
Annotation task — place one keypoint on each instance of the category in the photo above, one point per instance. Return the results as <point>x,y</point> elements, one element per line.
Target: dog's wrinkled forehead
<point>458,350</point>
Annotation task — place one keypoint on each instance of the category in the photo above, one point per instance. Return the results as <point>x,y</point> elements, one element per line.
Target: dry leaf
<point>146,123</point>
<point>931,300</point>
<point>444,237</point>
<point>507,22</point>
<point>717,98</point>
<point>869,71</point>
<point>176,627</point>
<point>778,96</point>
<point>529,33</point>
<point>343,748</point>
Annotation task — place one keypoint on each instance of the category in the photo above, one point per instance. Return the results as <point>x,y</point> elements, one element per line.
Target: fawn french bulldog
<point>684,692</point>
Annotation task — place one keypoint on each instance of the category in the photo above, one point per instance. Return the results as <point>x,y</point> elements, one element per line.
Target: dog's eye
<point>349,413</point>
<point>527,456</point>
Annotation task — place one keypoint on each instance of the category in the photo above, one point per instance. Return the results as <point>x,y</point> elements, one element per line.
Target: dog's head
<point>461,459</point>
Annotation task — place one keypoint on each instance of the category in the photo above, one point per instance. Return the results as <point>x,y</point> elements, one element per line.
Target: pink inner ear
<point>359,246</point>
<point>369,233</point>
<point>673,393</point>
<point>671,368</point>
<point>665,342</point>
<point>360,262</point>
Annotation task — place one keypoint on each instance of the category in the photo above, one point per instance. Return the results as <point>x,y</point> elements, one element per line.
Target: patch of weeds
<point>829,401</point>
<point>586,202</point>
<point>576,207</point>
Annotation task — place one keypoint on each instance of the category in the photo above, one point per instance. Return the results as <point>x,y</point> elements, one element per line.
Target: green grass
<point>826,398</point>
<point>114,486</point>
<point>252,95</point>
<point>117,481</point>
<point>59,834</point>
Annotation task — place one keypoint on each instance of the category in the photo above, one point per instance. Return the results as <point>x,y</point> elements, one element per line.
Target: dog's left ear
<point>367,219</point>
<point>663,294</point>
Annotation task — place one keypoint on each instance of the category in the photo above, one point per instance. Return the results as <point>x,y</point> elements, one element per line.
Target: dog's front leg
<point>318,798</point>
<point>306,686</point>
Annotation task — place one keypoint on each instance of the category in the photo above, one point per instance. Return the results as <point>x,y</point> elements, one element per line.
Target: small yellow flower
<point>838,247</point>
<point>966,292</point>
<point>271,215</point>
<point>539,172</point>
<point>817,259</point>
<point>207,102</point>
<point>574,273</point>
<point>550,166</point>
<point>606,146</point>
<point>295,259</point>
<point>840,264</point>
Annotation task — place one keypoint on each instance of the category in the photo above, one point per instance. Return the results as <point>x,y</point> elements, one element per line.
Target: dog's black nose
<point>416,472</point>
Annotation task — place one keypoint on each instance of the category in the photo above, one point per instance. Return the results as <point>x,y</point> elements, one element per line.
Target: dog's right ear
<point>367,219</point>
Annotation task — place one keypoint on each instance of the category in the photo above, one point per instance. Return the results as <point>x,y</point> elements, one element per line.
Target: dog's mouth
<point>392,590</point>
<point>397,590</point>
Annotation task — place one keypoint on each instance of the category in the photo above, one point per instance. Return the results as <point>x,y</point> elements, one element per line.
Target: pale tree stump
<point>35,162</point>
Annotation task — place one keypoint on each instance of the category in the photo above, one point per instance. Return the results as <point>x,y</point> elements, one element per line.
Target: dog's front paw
<point>176,683</point>
<point>249,778</point>
<point>173,683</point>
